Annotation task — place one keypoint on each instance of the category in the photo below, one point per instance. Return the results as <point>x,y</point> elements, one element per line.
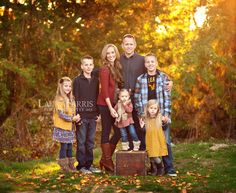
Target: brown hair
<point>86,57</point>
<point>116,69</point>
<point>124,90</point>
<point>150,54</point>
<point>129,36</point>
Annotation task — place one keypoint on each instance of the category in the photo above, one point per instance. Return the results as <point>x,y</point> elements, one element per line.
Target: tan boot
<point>136,145</point>
<point>71,162</point>
<point>125,146</point>
<point>63,163</point>
<point>106,160</point>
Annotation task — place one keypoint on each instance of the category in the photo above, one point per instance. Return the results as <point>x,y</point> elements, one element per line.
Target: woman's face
<point>111,54</point>
<point>152,110</point>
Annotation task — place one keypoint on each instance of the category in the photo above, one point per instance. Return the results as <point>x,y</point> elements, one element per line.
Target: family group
<point>130,96</point>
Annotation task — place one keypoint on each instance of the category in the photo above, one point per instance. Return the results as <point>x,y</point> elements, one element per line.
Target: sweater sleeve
<point>64,116</point>
<point>59,108</point>
<point>104,80</point>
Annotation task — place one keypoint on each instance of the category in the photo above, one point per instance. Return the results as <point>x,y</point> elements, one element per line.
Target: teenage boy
<point>133,66</point>
<point>151,85</point>
<point>85,90</point>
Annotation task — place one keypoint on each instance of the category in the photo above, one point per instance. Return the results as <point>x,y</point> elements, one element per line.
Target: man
<point>133,66</point>
<point>151,85</point>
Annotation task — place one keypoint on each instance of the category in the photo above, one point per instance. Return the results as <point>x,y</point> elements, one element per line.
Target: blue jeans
<point>85,134</point>
<point>132,133</point>
<point>140,132</point>
<point>168,159</point>
<point>65,150</point>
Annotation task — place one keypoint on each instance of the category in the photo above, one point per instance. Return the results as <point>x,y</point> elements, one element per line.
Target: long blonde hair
<point>158,115</point>
<point>116,69</point>
<point>61,95</point>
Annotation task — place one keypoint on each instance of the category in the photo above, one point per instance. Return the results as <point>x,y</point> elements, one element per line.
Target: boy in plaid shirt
<point>151,85</point>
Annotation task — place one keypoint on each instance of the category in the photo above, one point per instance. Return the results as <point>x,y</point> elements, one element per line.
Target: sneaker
<point>94,170</point>
<point>172,173</point>
<point>85,171</point>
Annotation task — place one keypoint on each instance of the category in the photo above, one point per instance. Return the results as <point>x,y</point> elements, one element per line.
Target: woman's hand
<point>113,112</point>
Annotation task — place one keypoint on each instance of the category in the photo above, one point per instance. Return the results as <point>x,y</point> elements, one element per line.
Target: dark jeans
<point>124,133</point>
<point>107,123</point>
<point>85,134</point>
<point>168,160</point>
<point>65,150</point>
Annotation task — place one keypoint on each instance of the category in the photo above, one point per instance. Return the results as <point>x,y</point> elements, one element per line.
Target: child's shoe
<point>71,162</point>
<point>160,169</point>
<point>136,145</point>
<point>125,146</point>
<point>153,169</point>
<point>63,163</point>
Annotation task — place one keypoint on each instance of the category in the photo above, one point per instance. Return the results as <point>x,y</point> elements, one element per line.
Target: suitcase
<point>128,163</point>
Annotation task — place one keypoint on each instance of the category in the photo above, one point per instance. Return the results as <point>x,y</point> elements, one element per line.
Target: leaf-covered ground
<point>202,167</point>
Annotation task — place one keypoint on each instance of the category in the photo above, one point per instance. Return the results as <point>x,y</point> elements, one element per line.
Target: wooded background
<point>42,40</point>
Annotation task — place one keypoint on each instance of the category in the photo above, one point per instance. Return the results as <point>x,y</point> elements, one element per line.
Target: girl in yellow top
<point>155,138</point>
<point>63,118</point>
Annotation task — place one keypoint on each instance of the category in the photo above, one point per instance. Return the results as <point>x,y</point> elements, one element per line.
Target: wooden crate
<point>131,163</point>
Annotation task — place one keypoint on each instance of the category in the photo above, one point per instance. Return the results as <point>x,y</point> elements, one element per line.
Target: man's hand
<point>165,119</point>
<point>98,118</point>
<point>169,85</point>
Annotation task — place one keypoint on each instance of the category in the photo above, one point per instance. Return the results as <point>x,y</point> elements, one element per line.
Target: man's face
<point>151,63</point>
<point>87,66</point>
<point>128,45</point>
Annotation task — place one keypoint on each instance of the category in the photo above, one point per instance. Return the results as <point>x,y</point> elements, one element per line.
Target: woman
<point>111,79</point>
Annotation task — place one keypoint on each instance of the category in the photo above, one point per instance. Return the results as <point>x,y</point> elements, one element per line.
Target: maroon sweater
<point>107,89</point>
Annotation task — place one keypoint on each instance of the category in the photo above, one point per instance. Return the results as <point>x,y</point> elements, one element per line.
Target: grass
<point>200,169</point>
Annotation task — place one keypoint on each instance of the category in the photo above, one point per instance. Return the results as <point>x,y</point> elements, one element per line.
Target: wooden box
<point>130,163</point>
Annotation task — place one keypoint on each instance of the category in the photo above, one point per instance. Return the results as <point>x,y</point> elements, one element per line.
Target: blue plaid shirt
<point>163,96</point>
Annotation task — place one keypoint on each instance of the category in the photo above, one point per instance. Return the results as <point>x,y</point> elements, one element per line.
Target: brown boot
<point>71,162</point>
<point>106,161</point>
<point>63,163</point>
<point>113,148</point>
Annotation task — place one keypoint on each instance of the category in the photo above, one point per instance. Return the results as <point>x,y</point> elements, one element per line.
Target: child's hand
<point>125,102</point>
<point>141,122</point>
<point>77,118</point>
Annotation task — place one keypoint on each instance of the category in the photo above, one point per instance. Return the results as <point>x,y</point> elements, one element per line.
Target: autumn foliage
<point>41,41</point>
